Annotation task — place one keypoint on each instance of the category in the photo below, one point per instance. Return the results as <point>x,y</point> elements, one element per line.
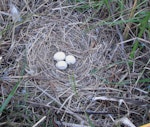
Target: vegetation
<point>109,84</point>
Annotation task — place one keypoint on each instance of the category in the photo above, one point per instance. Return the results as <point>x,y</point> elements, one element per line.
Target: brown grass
<point>99,90</point>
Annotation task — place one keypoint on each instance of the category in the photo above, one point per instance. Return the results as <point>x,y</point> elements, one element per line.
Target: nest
<point>72,91</point>
<point>51,34</point>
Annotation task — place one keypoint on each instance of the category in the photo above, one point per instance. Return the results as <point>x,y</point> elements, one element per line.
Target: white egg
<point>59,56</point>
<point>70,59</point>
<point>61,65</point>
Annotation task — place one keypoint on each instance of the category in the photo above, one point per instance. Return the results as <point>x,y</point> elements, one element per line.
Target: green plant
<point>144,27</point>
<point>12,93</point>
<point>73,83</point>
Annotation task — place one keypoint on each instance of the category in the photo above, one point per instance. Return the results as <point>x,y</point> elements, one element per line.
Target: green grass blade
<point>73,84</point>
<point>9,97</point>
<point>89,121</point>
<point>5,103</point>
<point>143,26</point>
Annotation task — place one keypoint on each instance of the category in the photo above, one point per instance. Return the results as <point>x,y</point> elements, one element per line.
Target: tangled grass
<point>108,85</point>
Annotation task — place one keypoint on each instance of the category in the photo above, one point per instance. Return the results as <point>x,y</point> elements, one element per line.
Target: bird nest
<point>51,34</point>
<point>101,81</point>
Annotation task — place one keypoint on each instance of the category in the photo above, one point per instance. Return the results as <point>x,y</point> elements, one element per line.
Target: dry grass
<point>100,90</point>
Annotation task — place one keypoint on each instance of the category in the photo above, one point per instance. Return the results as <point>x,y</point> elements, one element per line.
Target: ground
<point>107,86</point>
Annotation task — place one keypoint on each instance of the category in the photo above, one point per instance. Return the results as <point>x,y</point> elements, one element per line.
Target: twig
<point>128,25</point>
<point>4,13</point>
<point>120,100</point>
<point>70,124</point>
<point>125,121</point>
<point>136,38</point>
<point>41,120</point>
<point>93,112</point>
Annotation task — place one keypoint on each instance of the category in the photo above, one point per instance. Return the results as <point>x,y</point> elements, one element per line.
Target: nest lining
<point>51,35</point>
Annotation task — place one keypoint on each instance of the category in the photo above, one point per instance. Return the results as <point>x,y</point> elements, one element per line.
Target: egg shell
<point>59,56</point>
<point>70,59</point>
<point>61,65</point>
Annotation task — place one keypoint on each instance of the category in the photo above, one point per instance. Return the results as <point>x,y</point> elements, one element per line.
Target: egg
<point>59,56</point>
<point>70,59</point>
<point>61,65</point>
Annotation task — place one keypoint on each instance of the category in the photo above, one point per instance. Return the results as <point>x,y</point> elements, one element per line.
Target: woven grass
<point>56,32</point>
<point>98,90</point>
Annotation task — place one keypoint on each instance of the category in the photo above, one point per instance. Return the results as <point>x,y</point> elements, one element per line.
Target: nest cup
<point>49,35</point>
